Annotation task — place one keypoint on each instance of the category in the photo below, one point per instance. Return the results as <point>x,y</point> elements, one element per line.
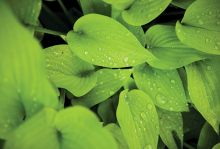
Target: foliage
<point>130,82</point>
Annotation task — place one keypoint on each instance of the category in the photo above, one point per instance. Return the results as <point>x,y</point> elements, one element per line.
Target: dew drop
<point>48,65</point>
<point>111,92</point>
<point>101,82</point>
<point>100,49</point>
<point>103,91</point>
<point>93,60</point>
<point>173,81</point>
<point>159,89</point>
<point>171,108</point>
<point>160,9</point>
<point>180,127</point>
<point>216,47</point>
<point>160,98</point>
<point>149,15</point>
<point>209,67</point>
<point>197,16</point>
<point>148,147</point>
<point>198,31</point>
<point>200,22</point>
<point>210,12</point>
<point>206,40</point>
<point>86,52</point>
<point>133,61</point>
<point>101,72</point>
<point>218,43</point>
<point>126,59</point>
<point>149,106</point>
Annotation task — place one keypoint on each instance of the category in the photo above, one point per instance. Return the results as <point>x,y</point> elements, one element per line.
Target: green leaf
<point>130,84</point>
<point>163,43</point>
<point>24,88</point>
<point>37,132</point>
<point>123,5</point>
<point>182,3</point>
<point>118,135</point>
<point>25,10</point>
<point>217,146</point>
<point>203,82</point>
<point>137,31</point>
<point>68,71</point>
<point>170,121</point>
<point>192,120</point>
<point>164,87</point>
<point>103,41</point>
<point>200,28</point>
<point>144,11</point>
<point>95,6</point>
<point>80,128</point>
<point>138,119</point>
<point>208,137</point>
<point>116,1</point>
<point>109,81</point>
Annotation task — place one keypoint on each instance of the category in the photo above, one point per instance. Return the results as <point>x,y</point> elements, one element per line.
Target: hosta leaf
<point>201,29</point>
<point>116,1</point>
<point>143,11</point>
<point>203,82</point>
<point>68,71</point>
<point>95,6</point>
<point>123,5</point>
<point>217,146</point>
<point>192,120</point>
<point>137,31</point>
<point>169,122</point>
<point>103,41</point>
<point>163,43</point>
<point>37,132</point>
<point>164,87</point>
<point>118,135</point>
<point>182,3</point>
<point>138,119</point>
<point>25,10</point>
<point>80,128</point>
<point>130,84</point>
<point>208,137</point>
<point>109,81</point>
<point>24,87</point>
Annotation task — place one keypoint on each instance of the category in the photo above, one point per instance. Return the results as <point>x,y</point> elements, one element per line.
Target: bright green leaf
<point>27,11</point>
<point>200,28</point>
<point>109,81</point>
<point>130,84</point>
<point>80,129</point>
<point>203,82</point>
<point>116,1</point>
<point>170,121</point>
<point>138,119</point>
<point>208,137</point>
<point>164,87</point>
<point>182,3</point>
<point>103,41</point>
<point>163,43</point>
<point>24,87</point>
<point>68,71</point>
<point>116,132</point>
<point>95,6</point>
<point>144,11</point>
<point>137,31</point>
<point>217,146</point>
<point>37,132</point>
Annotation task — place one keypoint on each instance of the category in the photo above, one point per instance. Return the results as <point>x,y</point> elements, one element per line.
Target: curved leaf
<point>203,80</point>
<point>26,11</point>
<point>138,119</point>
<point>208,137</point>
<point>109,81</point>
<point>182,3</point>
<point>24,87</point>
<point>171,121</point>
<point>217,146</point>
<point>123,5</point>
<point>68,71</point>
<point>80,128</point>
<point>130,84</point>
<point>164,87</point>
<point>201,29</point>
<point>103,41</point>
<point>118,135</point>
<point>143,11</point>
<point>163,43</point>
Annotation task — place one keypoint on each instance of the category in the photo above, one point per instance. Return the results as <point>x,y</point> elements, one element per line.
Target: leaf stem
<point>188,146</point>
<point>62,98</point>
<point>43,30</point>
<point>66,11</point>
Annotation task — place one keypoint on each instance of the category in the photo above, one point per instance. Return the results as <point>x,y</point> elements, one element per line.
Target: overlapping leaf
<point>171,122</point>
<point>24,87</point>
<point>164,87</point>
<point>143,11</point>
<point>25,10</point>
<point>120,4</point>
<point>200,28</point>
<point>203,82</point>
<point>163,43</point>
<point>138,119</point>
<point>68,71</point>
<point>118,135</point>
<point>103,41</point>
<point>137,31</point>
<point>208,137</point>
<point>182,3</point>
<point>109,81</point>
<point>130,84</point>
<point>95,6</point>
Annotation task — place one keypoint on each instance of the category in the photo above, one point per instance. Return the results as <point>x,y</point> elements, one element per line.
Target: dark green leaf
<point>138,119</point>
<point>182,3</point>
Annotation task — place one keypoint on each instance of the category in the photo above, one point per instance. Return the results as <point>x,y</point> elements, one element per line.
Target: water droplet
<point>101,72</point>
<point>126,59</point>
<point>133,61</point>
<point>210,12</point>
<point>86,52</point>
<point>103,91</point>
<point>111,92</point>
<point>160,98</point>
<point>209,67</point>
<point>148,147</point>
<point>149,106</point>
<point>206,40</point>
<point>127,34</point>
<point>180,127</point>
<point>159,89</point>
<point>197,16</point>
<point>218,43</point>
<point>173,81</point>
<point>149,15</point>
<point>93,60</point>
<point>100,49</point>
<point>160,9</point>
<point>101,82</point>
<point>151,89</point>
<point>115,64</point>
<point>48,65</point>
<point>200,22</point>
<point>171,108</point>
<point>198,31</point>
<point>216,47</point>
